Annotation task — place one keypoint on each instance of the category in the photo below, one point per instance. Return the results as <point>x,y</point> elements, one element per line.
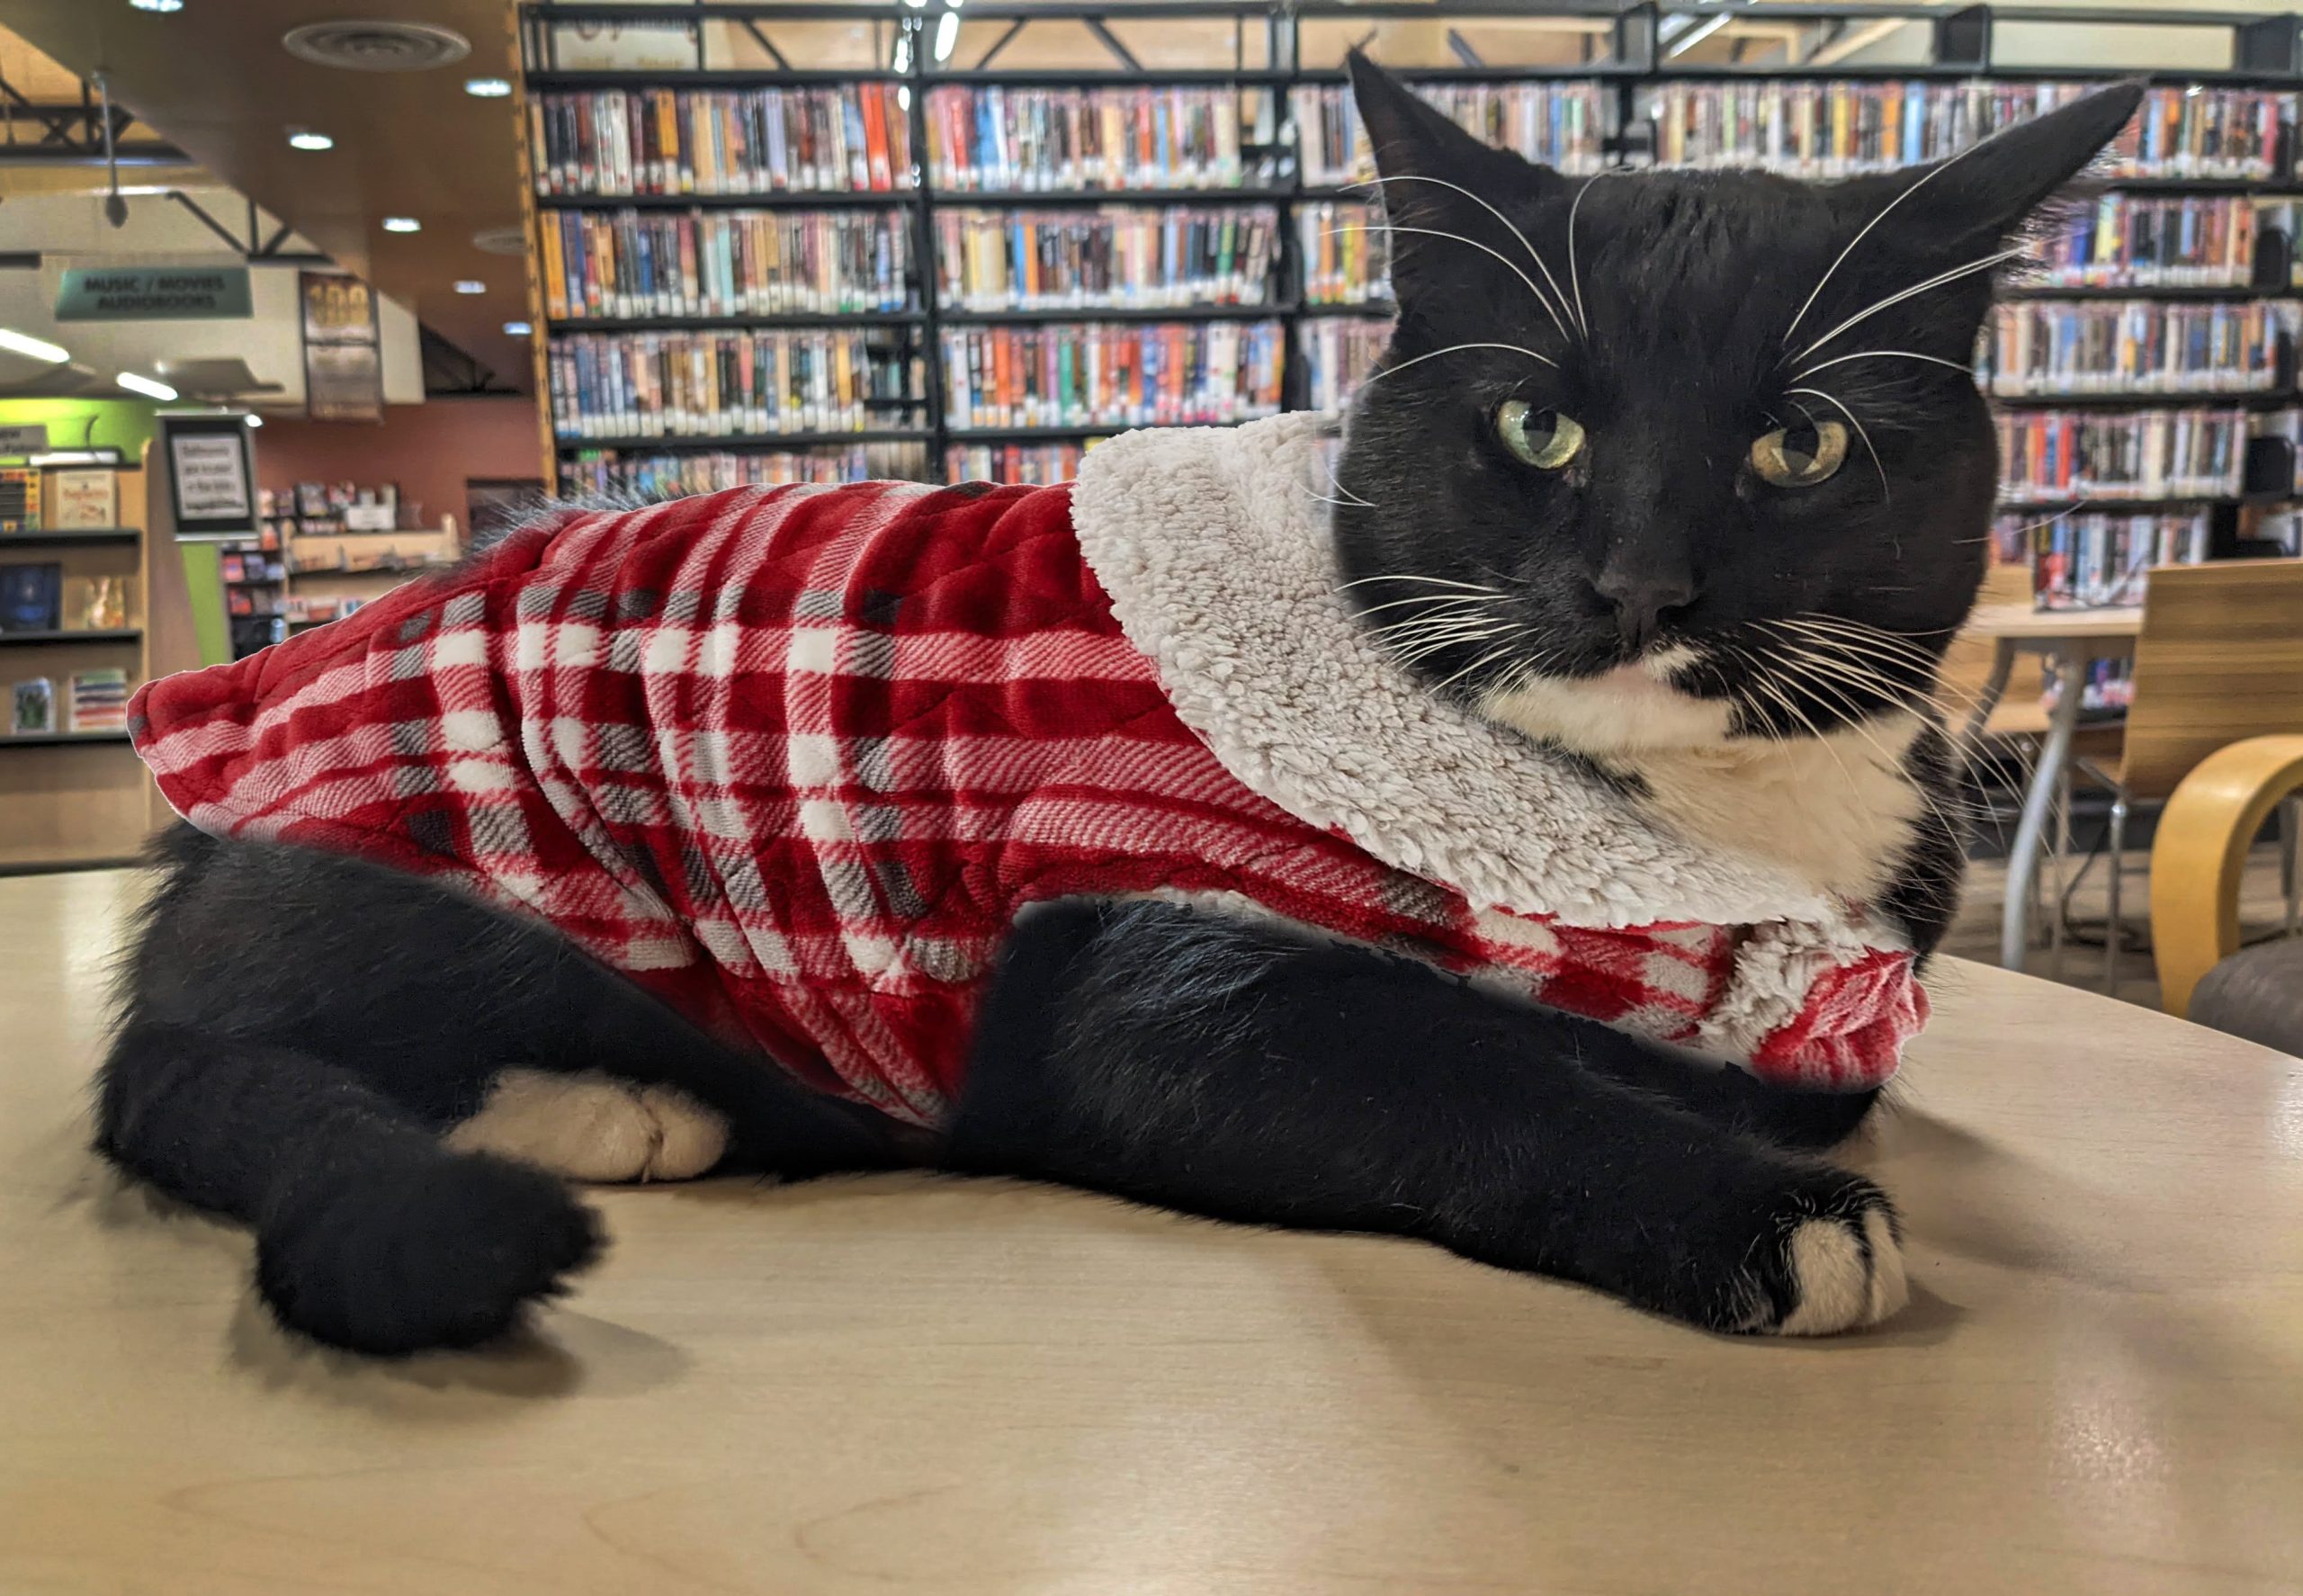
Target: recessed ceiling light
<point>402,224</point>
<point>34,348</point>
<point>156,5</point>
<point>471,285</point>
<point>305,138</point>
<point>145,385</point>
<point>518,329</point>
<point>488,88</point>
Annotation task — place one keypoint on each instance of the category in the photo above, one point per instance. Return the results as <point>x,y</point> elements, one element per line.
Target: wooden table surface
<point>919,1385</point>
<point>2021,621</point>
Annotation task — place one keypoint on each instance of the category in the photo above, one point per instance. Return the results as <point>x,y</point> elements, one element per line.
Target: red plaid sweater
<point>795,758</point>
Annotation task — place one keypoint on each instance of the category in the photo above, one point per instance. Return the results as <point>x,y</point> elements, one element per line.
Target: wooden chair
<point>2199,855</point>
<point>2220,661</point>
<point>1966,666</point>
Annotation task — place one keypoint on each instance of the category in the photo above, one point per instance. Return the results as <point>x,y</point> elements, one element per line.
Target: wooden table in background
<point>908,1385</point>
<point>2072,639</point>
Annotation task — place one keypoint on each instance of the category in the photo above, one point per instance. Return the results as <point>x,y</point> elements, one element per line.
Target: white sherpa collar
<point>1213,544</point>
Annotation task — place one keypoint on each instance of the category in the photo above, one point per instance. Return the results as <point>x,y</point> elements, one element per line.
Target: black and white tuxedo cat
<point>1683,475</point>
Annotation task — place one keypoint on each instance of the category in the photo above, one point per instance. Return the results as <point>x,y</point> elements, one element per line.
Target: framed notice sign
<point>343,364</point>
<point>210,485</point>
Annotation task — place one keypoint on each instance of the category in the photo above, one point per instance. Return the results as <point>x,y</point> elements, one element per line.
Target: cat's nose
<point>1644,600</point>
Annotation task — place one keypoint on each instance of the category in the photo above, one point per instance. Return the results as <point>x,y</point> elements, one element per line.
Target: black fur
<point>296,1030</point>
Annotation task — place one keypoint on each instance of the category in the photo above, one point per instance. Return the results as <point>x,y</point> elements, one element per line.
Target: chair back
<point>1967,659</point>
<point>2219,659</point>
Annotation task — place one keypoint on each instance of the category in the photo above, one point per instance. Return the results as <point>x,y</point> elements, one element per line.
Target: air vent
<point>376,46</point>
<point>509,241</point>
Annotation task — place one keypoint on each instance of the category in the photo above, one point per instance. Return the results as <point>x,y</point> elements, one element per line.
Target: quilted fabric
<point>795,758</point>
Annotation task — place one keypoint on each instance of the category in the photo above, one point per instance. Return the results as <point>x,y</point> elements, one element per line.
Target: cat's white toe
<point>1839,1283</point>
<point>591,1127</point>
<point>690,1138</point>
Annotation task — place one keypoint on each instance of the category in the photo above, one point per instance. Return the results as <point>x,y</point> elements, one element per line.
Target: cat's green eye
<point>1800,456</point>
<point>1545,439</point>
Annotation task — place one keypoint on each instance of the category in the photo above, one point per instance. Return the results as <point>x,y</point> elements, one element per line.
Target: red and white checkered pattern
<point>795,758</point>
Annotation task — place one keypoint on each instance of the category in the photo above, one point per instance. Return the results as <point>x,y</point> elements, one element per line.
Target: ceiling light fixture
<point>31,349</point>
<point>145,386</point>
<point>518,329</point>
<point>471,285</point>
<point>305,138</point>
<point>367,45</point>
<point>402,224</point>
<point>161,6</point>
<point>488,88</point>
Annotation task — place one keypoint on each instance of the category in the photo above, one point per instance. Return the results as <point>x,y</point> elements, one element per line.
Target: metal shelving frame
<point>2266,52</point>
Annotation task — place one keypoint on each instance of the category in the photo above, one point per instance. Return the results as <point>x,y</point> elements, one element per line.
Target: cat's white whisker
<point>1574,277</point>
<point>1841,259</point>
<point>1533,254</point>
<point>1430,601</point>
<point>1508,265</point>
<point>1886,493</point>
<point>1935,360</point>
<point>1937,281</point>
<point>1450,349</point>
<point>1493,654</point>
<point>1434,582</point>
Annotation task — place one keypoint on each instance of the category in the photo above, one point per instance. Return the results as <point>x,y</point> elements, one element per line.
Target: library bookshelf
<point>71,798</point>
<point>981,269</point>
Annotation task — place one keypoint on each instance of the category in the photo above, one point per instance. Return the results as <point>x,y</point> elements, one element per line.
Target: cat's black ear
<point>1409,138</point>
<point>1437,176</point>
<point>1985,195</point>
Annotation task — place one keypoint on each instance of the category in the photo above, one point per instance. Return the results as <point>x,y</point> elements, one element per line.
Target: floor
<point>1974,934</point>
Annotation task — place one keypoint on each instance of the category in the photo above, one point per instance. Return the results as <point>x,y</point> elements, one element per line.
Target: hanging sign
<point>153,293</point>
<point>343,362</point>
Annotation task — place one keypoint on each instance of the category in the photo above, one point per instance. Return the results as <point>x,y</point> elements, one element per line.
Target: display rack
<point>77,798</point>
<point>1632,64</point>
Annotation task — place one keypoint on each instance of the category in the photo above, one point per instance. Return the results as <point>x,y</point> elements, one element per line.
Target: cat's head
<point>1666,459</point>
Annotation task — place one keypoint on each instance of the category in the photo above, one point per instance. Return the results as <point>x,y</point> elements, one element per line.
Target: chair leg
<point>2061,830</point>
<point>2291,879</point>
<point>2117,851</point>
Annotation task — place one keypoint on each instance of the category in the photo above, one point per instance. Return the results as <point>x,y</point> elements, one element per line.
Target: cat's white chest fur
<point>1838,808</point>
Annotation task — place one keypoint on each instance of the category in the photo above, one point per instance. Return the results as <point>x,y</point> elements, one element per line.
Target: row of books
<point>632,473</point>
<point>1340,242</point>
<point>708,384</point>
<point>35,595</point>
<point>1565,125</point>
<point>1111,257</point>
<point>2092,560</point>
<point>48,498</point>
<point>1339,352</point>
<point>1834,128</point>
<point>1070,139</point>
<point>2048,346</point>
<point>1033,464</point>
<point>1141,374</point>
<point>2126,240</point>
<point>2052,456</point>
<point>838,137</point>
<point>725,263</point>
<point>94,700</point>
